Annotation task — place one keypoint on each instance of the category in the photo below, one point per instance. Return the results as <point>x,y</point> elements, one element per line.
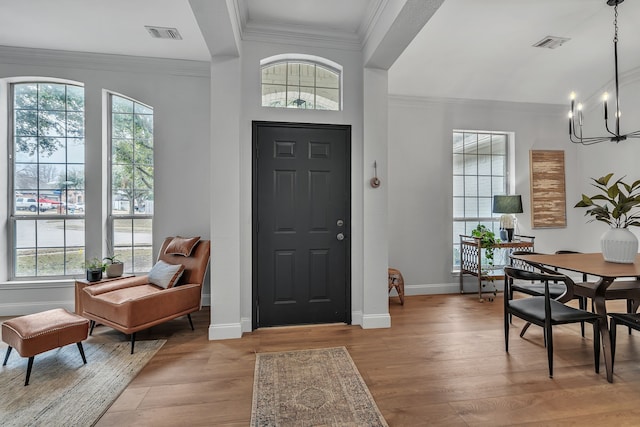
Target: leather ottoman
<point>36,333</point>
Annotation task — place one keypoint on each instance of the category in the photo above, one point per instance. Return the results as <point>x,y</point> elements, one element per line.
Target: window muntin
<point>131,181</point>
<point>480,171</point>
<point>47,152</point>
<point>300,84</point>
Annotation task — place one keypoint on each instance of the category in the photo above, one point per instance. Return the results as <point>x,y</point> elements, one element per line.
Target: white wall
<point>420,180</point>
<point>179,93</point>
<point>623,158</point>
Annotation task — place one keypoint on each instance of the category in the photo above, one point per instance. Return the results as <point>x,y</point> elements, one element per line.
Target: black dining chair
<point>630,320</point>
<point>535,288</point>
<point>628,290</point>
<point>556,290</point>
<point>545,311</point>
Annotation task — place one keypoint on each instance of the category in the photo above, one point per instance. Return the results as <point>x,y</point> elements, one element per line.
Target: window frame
<point>111,245</point>
<point>316,61</point>
<point>492,222</point>
<point>14,217</point>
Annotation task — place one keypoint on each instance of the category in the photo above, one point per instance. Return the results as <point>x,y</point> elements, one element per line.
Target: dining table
<point>592,264</point>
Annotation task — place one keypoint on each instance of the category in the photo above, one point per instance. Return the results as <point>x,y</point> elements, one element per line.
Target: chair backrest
<point>195,265</point>
<point>546,276</point>
<point>522,264</point>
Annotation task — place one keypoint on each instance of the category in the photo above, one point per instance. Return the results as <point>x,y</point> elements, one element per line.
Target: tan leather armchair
<point>132,304</point>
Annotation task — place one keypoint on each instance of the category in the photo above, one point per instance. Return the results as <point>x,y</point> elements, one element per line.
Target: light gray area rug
<point>320,387</point>
<point>64,391</point>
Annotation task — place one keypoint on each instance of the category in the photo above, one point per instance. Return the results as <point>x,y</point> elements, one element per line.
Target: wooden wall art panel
<point>548,196</point>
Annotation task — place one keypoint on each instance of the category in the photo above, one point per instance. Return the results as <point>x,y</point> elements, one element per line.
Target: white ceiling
<point>469,49</point>
<point>483,50</point>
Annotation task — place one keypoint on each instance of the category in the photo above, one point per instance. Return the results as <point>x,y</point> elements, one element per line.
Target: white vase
<point>619,245</point>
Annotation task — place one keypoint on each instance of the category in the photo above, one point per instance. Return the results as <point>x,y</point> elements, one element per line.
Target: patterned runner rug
<point>319,387</point>
<point>64,391</point>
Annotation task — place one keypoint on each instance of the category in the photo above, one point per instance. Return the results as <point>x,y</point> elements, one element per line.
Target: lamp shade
<point>507,204</point>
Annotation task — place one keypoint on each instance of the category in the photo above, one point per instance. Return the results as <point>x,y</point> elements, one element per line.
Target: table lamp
<point>507,205</point>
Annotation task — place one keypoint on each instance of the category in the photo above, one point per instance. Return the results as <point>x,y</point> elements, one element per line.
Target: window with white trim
<point>302,84</point>
<point>47,179</point>
<point>130,227</point>
<point>480,171</point>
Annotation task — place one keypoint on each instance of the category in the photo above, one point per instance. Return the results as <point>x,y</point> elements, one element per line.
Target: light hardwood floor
<point>441,363</point>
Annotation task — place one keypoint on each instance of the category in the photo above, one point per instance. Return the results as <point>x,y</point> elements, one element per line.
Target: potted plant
<point>488,241</point>
<point>618,244</point>
<point>115,267</point>
<point>95,267</point>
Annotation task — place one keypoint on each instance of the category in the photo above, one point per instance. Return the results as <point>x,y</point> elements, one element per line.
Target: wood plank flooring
<point>441,363</point>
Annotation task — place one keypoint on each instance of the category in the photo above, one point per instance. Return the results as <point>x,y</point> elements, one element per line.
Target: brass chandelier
<point>575,113</point>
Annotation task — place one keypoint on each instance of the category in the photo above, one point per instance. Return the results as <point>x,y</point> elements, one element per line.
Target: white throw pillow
<point>165,275</point>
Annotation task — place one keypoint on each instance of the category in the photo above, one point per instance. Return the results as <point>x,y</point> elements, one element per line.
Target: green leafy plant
<point>96,264</point>
<point>622,197</point>
<point>112,259</point>
<point>488,241</point>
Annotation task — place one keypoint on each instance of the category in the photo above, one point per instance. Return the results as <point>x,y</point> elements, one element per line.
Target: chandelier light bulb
<point>572,96</point>
<point>579,106</point>
<point>605,96</point>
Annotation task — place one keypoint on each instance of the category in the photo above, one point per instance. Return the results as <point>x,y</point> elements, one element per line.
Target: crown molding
<point>368,22</point>
<point>302,35</point>
<point>529,107</point>
<point>99,61</point>
<point>293,35</point>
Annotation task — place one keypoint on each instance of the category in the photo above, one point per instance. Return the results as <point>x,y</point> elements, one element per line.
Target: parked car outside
<point>31,204</point>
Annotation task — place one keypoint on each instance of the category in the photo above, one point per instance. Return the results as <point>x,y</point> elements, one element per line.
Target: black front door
<point>301,224</point>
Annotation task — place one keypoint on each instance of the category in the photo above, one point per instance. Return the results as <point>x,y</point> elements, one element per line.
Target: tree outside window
<point>132,174</point>
<point>47,130</point>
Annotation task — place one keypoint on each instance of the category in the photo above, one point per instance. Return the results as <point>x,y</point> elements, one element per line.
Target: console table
<point>471,258</point>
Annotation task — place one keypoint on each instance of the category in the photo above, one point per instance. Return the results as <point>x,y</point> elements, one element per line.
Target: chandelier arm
<point>575,134</point>
<point>606,126</point>
<point>589,141</point>
<point>596,141</point>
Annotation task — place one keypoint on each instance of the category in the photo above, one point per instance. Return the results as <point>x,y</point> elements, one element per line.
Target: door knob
<point>340,236</point>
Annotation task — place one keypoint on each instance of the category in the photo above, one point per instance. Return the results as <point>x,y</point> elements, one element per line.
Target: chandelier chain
<point>615,23</point>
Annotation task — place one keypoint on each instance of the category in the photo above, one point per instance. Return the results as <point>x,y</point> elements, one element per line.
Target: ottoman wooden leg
<point>29,366</point>
<point>84,359</point>
<point>6,356</point>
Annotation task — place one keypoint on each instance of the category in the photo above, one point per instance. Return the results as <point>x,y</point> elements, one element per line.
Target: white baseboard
<point>432,289</point>
<point>356,317</point>
<point>375,321</point>
<point>246,324</point>
<point>225,331</point>
<point>206,300</point>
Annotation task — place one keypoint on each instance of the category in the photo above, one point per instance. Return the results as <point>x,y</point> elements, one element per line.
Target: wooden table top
<point>591,263</point>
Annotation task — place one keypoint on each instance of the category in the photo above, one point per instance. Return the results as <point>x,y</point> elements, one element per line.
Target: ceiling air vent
<point>551,42</point>
<point>163,32</point>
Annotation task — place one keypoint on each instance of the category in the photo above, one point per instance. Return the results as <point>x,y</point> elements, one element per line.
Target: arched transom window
<point>301,82</point>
